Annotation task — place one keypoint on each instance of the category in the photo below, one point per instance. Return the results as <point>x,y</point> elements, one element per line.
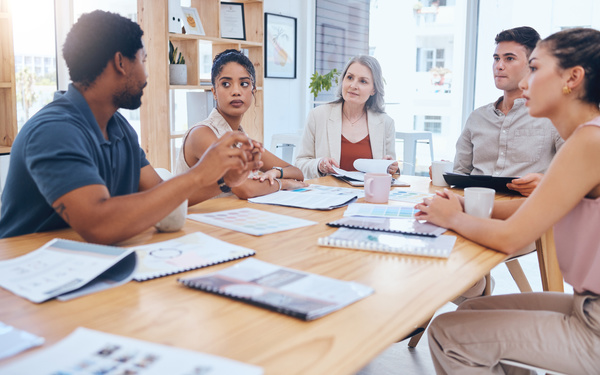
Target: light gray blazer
<point>322,137</point>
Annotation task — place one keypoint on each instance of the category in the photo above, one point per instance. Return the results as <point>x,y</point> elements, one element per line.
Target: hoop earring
<point>566,90</point>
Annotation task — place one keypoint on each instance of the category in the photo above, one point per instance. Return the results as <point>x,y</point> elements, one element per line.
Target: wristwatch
<point>223,186</point>
<point>280,171</point>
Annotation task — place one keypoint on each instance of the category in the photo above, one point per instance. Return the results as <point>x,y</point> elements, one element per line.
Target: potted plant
<point>323,82</point>
<point>177,67</point>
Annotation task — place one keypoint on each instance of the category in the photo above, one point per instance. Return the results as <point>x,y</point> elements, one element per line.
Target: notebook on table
<point>189,252</point>
<point>353,182</point>
<point>302,295</point>
<point>314,199</point>
<point>404,226</point>
<point>371,240</point>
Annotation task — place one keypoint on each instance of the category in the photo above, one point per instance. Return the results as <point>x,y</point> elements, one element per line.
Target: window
<point>428,58</point>
<point>423,61</point>
<point>35,80</point>
<point>341,32</point>
<point>35,53</point>
<point>433,124</point>
<point>430,95</point>
<point>546,17</point>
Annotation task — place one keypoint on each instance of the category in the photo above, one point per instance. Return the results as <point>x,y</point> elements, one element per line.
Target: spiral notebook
<point>371,240</point>
<point>189,252</point>
<point>404,226</point>
<point>303,295</point>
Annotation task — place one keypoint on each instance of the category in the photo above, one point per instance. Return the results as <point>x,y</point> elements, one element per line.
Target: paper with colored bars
<point>251,221</point>
<point>379,210</point>
<point>408,196</point>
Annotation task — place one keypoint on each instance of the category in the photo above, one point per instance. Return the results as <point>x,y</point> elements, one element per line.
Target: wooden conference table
<point>408,290</point>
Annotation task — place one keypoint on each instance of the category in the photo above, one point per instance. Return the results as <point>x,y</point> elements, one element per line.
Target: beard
<point>130,98</point>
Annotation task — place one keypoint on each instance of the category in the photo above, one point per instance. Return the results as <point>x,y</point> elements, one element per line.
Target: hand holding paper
<point>373,165</point>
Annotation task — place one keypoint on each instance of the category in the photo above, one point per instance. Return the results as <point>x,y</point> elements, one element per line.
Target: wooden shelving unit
<point>155,111</point>
<point>8,96</point>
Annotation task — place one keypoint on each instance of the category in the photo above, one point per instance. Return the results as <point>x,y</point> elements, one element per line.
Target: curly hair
<point>578,47</point>
<point>232,55</point>
<point>93,41</point>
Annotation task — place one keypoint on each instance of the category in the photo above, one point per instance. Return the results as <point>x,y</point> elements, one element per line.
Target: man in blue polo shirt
<point>78,163</point>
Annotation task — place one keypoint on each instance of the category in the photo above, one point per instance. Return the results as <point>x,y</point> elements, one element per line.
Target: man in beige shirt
<point>500,138</point>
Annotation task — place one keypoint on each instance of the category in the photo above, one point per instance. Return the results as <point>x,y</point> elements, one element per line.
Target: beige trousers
<point>477,289</point>
<point>556,331</point>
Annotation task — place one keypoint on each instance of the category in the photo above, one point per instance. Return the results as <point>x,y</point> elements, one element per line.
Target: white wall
<point>287,101</point>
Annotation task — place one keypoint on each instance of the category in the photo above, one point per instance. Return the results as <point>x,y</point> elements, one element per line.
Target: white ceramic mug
<point>176,219</point>
<point>377,187</point>
<point>438,168</point>
<point>479,201</point>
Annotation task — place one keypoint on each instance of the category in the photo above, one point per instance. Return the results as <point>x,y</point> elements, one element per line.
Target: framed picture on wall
<point>232,21</point>
<point>191,21</point>
<point>280,46</point>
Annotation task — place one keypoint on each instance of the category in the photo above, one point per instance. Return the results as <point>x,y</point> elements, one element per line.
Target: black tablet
<point>465,180</point>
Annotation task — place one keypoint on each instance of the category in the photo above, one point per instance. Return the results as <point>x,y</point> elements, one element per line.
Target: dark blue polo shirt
<point>60,149</point>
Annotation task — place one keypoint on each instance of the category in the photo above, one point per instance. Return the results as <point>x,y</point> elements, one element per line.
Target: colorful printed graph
<point>378,210</point>
<point>251,221</point>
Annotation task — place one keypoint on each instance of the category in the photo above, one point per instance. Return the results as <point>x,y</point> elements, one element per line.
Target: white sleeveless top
<point>219,126</point>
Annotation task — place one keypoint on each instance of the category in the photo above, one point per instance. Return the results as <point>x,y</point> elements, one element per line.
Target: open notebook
<point>67,269</point>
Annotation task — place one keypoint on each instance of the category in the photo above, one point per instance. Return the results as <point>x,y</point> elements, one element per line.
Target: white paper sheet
<point>251,221</point>
<point>63,266</point>
<point>315,197</point>
<point>13,341</point>
<point>87,352</point>
<point>372,165</point>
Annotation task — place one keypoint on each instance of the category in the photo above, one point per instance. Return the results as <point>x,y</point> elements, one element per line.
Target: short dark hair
<point>232,55</point>
<point>578,47</point>
<point>524,35</point>
<point>93,41</point>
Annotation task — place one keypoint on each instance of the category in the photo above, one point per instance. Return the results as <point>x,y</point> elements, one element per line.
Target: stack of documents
<point>315,197</point>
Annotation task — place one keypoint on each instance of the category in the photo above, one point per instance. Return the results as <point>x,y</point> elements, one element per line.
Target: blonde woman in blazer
<point>357,113</point>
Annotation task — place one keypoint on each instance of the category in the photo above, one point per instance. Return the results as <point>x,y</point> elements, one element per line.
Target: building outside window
<point>35,78</point>
<point>433,124</point>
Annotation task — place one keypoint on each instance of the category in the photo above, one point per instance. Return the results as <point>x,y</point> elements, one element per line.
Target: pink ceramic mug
<point>377,187</point>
